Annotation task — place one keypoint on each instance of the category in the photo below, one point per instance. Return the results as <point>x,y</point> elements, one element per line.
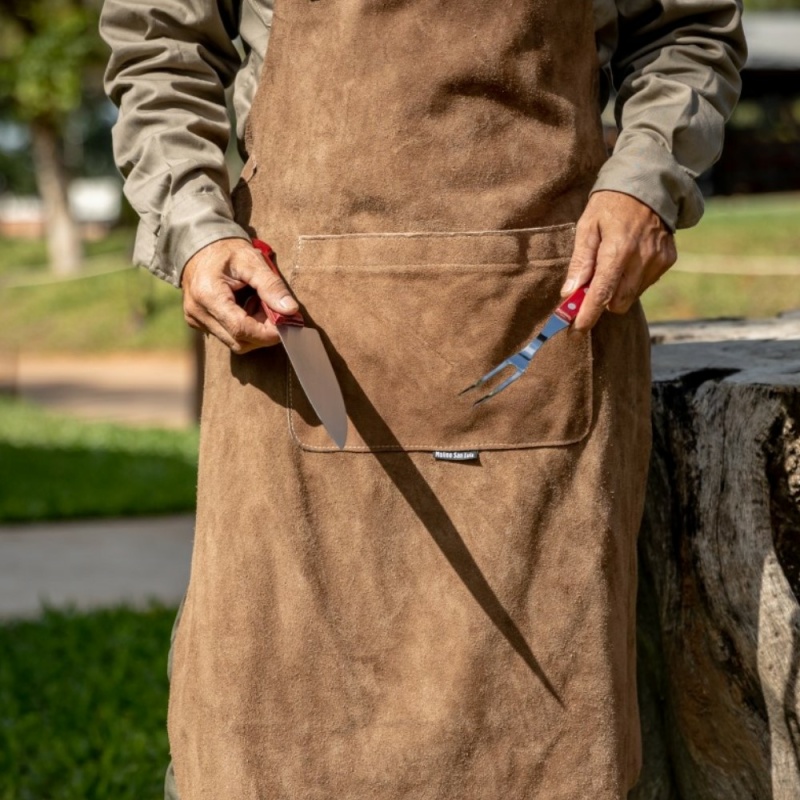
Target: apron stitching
<point>464,266</point>
<point>302,239</point>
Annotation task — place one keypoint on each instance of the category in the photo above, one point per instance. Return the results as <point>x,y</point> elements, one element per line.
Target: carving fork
<point>561,318</point>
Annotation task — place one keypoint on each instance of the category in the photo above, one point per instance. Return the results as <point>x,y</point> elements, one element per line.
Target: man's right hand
<point>210,278</point>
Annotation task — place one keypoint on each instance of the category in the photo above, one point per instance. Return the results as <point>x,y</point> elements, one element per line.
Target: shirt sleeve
<point>676,69</point>
<point>170,65</point>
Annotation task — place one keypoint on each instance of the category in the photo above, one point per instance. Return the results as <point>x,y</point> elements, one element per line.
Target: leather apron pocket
<point>411,319</point>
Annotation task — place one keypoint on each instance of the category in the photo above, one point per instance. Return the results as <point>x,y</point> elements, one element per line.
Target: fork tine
<point>488,376</point>
<point>505,384</point>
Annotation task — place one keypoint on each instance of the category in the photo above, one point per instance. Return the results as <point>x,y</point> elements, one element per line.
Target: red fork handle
<point>569,309</point>
<point>275,317</point>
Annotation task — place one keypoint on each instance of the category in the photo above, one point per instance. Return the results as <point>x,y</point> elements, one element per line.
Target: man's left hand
<point>622,245</point>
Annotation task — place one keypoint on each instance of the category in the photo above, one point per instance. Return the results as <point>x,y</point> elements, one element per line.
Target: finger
<point>667,257</point>
<point>201,321</point>
<point>213,306</point>
<point>612,260</point>
<point>269,285</point>
<point>584,257</point>
<point>212,296</point>
<point>644,269</point>
<point>241,327</point>
<point>629,287</point>
<point>237,345</point>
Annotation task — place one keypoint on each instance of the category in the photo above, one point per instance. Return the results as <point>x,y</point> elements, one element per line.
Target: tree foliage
<point>46,49</point>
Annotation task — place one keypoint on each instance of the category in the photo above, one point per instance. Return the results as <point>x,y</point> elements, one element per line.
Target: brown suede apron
<point>377,623</point>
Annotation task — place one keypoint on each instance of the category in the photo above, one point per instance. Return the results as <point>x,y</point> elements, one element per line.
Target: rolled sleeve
<point>168,71</point>
<point>676,69</point>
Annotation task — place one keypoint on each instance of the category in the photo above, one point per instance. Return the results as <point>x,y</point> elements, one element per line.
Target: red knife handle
<point>275,317</point>
<point>569,309</point>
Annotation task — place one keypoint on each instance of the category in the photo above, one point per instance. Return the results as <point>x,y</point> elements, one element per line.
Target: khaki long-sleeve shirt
<point>675,65</point>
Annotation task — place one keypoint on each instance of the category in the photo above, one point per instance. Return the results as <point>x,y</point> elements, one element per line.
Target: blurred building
<point>95,190</point>
<point>95,204</point>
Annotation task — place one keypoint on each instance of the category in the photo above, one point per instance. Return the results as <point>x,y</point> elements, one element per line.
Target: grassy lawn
<point>747,226</point>
<point>55,467</point>
<point>23,259</point>
<point>742,228</point>
<point>83,701</point>
<point>689,295</point>
<point>115,311</point>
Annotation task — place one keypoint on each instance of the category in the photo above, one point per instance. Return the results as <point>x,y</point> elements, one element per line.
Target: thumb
<point>584,258</point>
<point>264,278</point>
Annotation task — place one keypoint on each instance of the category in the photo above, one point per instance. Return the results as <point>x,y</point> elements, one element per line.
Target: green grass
<point>22,259</point>
<point>764,225</point>
<point>83,701</point>
<point>739,227</point>
<point>121,311</point>
<point>688,295</point>
<point>53,467</point>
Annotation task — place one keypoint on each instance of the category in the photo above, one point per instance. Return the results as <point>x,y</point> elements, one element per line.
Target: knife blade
<point>310,362</point>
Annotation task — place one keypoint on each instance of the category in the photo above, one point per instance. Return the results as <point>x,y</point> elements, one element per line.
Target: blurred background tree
<point>49,52</point>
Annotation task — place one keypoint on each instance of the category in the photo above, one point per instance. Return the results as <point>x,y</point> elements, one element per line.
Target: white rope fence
<point>755,266</point>
<point>49,280</point>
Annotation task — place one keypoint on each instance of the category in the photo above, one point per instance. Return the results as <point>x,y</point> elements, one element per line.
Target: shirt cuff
<point>191,221</point>
<point>646,170</point>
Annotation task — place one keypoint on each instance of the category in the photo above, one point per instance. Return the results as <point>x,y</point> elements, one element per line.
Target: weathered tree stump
<point>719,620</point>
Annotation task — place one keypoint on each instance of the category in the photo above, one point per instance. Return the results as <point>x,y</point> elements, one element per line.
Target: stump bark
<point>719,621</point>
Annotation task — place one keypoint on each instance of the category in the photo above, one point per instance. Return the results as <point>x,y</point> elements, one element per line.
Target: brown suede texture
<point>410,356</point>
<point>375,623</point>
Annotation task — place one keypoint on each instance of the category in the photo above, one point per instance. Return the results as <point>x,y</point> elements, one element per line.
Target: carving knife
<point>310,362</point>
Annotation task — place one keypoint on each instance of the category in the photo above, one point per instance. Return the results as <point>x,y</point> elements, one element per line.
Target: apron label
<point>456,455</point>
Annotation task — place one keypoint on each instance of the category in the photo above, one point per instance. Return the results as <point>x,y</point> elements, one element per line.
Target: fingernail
<point>287,303</point>
<point>569,286</point>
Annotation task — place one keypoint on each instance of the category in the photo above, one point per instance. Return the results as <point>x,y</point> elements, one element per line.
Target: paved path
<point>93,564</point>
<point>133,389</point>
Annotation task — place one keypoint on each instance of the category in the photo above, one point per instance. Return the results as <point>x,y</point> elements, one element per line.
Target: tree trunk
<point>719,621</point>
<point>63,235</point>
